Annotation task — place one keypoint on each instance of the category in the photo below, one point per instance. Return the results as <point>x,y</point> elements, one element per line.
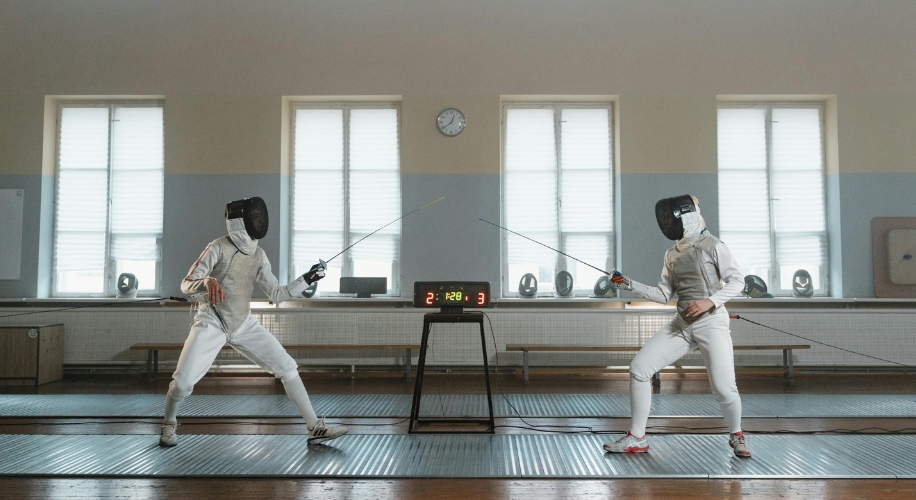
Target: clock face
<point>451,122</point>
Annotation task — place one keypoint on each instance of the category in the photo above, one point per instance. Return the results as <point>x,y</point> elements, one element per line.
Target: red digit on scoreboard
<point>429,298</point>
<point>481,298</point>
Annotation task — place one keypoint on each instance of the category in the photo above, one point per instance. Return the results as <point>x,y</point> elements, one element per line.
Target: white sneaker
<point>323,432</point>
<point>628,444</point>
<point>169,435</point>
<point>737,442</point>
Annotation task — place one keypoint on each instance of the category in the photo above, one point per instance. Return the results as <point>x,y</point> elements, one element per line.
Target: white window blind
<point>109,202</point>
<point>771,192</point>
<point>346,184</point>
<point>558,185</point>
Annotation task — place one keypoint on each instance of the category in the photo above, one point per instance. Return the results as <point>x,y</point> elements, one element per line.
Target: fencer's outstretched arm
<point>730,273</point>
<point>661,293</point>
<point>269,283</point>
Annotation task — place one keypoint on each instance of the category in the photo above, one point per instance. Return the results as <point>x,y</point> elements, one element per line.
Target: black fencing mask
<point>668,213</point>
<point>253,211</point>
<point>755,287</point>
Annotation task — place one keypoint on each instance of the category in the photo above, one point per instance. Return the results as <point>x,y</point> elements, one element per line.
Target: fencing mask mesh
<point>668,213</point>
<point>754,287</point>
<point>253,211</point>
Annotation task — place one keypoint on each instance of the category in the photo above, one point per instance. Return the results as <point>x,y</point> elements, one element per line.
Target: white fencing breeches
<point>671,343</point>
<point>204,343</point>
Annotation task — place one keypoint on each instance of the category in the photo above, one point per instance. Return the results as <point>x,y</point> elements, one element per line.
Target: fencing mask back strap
<point>253,211</point>
<point>668,212</point>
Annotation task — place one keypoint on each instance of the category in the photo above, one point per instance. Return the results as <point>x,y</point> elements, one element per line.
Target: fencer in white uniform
<point>222,281</point>
<point>702,272</point>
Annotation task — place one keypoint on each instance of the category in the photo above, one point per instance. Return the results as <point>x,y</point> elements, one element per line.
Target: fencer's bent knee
<point>640,371</point>
<point>638,378</point>
<point>289,375</point>
<point>727,396</point>
<point>179,390</point>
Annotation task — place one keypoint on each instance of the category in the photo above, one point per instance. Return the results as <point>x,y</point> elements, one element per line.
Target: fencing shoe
<point>323,432</point>
<point>169,434</point>
<point>628,444</point>
<point>737,442</point>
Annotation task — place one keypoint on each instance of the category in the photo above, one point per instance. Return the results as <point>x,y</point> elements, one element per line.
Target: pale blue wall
<point>37,227</point>
<point>864,196</point>
<point>641,243</point>
<point>446,241</point>
<point>194,214</point>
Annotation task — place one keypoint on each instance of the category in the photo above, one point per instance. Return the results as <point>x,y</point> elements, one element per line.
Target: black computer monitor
<point>364,287</point>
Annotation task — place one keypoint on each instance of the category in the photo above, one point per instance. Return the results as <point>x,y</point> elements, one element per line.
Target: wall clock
<point>451,122</point>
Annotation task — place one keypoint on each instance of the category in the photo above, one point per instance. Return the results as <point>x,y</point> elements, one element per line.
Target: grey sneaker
<point>323,432</point>
<point>737,442</point>
<point>628,444</point>
<point>169,435</point>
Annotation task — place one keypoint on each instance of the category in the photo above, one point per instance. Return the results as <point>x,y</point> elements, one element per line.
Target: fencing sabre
<point>324,263</point>
<point>735,316</point>
<point>543,245</point>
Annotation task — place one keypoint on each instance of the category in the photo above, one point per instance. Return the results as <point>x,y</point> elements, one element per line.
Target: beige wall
<point>425,151</point>
<point>662,134</point>
<point>21,122</point>
<point>877,132</point>
<point>225,65</point>
<point>222,135</point>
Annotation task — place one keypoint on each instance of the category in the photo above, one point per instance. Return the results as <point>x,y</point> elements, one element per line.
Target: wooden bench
<point>152,352</point>
<point>789,369</point>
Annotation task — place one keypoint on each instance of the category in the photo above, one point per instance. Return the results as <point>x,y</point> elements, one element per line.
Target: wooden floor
<point>463,489</point>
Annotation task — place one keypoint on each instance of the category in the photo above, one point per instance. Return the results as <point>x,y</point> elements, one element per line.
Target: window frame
<point>768,107</point>
<point>561,261</point>
<point>394,288</point>
<point>110,282</point>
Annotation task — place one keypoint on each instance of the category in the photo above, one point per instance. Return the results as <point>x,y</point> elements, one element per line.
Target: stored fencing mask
<point>669,212</point>
<point>253,212</point>
<point>755,287</point>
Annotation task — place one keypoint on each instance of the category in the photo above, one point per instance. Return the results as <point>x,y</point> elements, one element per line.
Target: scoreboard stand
<point>451,297</point>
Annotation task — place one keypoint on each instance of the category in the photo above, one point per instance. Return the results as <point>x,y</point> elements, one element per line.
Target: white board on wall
<point>11,233</point>
<point>901,254</point>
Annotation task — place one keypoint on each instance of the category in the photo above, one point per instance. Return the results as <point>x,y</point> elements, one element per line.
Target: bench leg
<point>525,365</point>
<point>149,365</point>
<point>657,379</point>
<point>407,365</point>
<point>788,365</point>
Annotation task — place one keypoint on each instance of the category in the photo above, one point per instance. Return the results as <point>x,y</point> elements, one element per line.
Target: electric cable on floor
<point>735,316</point>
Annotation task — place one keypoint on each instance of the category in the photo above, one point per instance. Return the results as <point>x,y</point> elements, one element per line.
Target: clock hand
<point>450,122</point>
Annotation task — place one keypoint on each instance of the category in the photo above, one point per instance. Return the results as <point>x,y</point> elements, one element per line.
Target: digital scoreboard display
<point>450,294</point>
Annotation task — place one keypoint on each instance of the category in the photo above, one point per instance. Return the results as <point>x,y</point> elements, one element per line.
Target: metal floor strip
<point>398,405</point>
<point>491,456</point>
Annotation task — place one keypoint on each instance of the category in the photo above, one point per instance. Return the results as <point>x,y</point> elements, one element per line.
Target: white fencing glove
<point>621,281</point>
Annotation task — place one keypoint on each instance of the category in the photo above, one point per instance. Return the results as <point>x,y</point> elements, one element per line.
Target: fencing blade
<point>324,262</point>
<point>546,246</point>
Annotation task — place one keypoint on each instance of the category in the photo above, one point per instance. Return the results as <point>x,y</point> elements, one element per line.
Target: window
<point>108,210</point>
<point>771,191</point>
<point>346,184</point>
<point>557,190</point>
